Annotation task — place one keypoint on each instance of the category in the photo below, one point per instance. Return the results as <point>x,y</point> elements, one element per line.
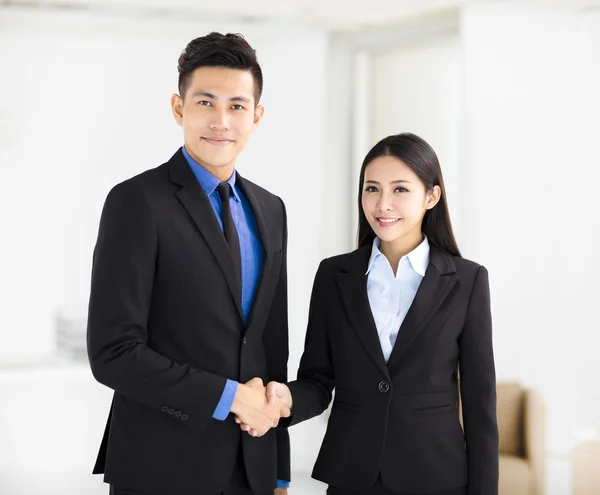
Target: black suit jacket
<point>165,332</point>
<point>399,419</point>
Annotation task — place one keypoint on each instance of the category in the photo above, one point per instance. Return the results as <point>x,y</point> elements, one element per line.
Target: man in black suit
<point>188,304</point>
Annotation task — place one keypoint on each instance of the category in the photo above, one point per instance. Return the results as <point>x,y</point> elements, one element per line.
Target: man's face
<point>218,114</point>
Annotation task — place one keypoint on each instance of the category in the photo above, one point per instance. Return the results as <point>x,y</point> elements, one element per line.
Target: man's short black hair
<point>219,50</point>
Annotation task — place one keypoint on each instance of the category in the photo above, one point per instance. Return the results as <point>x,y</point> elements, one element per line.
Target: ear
<point>258,115</point>
<point>433,197</point>
<point>177,108</point>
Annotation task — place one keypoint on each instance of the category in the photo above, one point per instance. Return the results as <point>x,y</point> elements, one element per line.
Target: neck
<point>396,249</point>
<point>223,173</point>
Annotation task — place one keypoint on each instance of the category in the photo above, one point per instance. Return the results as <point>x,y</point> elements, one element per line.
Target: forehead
<point>388,168</point>
<point>222,82</point>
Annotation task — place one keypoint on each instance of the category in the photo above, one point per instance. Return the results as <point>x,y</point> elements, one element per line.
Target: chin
<point>216,159</point>
<point>388,235</point>
<point>219,161</point>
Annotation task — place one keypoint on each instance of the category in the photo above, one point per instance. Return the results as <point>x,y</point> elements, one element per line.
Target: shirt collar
<point>207,180</point>
<point>418,257</point>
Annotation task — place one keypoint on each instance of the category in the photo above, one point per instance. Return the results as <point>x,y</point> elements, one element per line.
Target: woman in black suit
<point>390,325</point>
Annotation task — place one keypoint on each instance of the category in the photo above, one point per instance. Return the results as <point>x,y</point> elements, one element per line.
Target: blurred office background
<point>507,92</point>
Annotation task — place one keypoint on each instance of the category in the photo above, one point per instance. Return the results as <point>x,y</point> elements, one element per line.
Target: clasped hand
<point>258,408</point>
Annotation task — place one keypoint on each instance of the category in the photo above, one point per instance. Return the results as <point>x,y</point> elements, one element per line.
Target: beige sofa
<point>586,468</point>
<point>522,435</point>
<point>522,431</point>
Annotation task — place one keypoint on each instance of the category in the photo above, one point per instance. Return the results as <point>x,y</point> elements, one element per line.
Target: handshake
<point>258,408</point>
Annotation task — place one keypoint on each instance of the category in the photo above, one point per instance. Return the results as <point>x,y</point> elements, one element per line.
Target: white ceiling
<point>335,14</point>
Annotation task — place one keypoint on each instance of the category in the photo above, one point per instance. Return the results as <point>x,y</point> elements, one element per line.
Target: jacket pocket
<point>346,406</point>
<point>430,411</point>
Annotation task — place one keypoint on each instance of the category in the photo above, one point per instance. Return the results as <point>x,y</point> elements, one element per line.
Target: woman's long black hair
<point>423,161</point>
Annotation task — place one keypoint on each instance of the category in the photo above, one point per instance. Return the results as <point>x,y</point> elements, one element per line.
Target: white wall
<point>531,78</point>
<point>590,176</point>
<point>84,104</point>
<point>417,88</point>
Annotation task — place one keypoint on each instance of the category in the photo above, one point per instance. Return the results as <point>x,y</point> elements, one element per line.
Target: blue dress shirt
<point>252,253</point>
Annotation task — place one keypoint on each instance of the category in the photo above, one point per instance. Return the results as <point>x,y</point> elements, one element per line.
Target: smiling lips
<point>217,141</point>
<point>387,222</point>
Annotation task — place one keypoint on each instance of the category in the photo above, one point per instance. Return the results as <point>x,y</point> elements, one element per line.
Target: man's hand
<point>281,491</point>
<point>251,407</point>
<point>276,394</point>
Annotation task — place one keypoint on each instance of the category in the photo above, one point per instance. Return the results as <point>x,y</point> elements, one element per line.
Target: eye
<point>237,107</point>
<point>400,189</point>
<point>204,103</point>
<point>371,189</point>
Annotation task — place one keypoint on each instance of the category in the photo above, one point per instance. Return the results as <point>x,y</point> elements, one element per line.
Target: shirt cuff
<point>283,484</point>
<point>224,406</point>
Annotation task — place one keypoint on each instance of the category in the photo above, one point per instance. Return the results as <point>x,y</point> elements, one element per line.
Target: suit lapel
<point>194,200</point>
<point>352,284</point>
<point>262,297</point>
<point>258,209</point>
<point>438,282</point>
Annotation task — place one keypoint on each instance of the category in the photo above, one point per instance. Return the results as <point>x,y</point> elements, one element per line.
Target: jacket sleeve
<point>478,391</point>
<point>275,340</point>
<point>312,390</point>
<point>120,300</point>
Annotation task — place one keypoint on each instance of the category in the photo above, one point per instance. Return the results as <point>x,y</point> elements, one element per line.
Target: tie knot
<point>224,190</point>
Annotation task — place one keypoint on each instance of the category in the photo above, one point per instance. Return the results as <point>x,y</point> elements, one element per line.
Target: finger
<point>255,382</point>
<point>272,392</point>
<point>238,420</point>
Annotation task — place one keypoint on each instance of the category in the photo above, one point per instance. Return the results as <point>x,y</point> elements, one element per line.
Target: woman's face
<point>394,200</point>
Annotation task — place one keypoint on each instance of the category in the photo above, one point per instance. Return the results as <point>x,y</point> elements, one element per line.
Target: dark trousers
<point>379,489</point>
<point>237,486</point>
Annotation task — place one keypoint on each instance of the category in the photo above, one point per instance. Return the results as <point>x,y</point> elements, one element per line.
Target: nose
<point>220,121</point>
<point>384,203</point>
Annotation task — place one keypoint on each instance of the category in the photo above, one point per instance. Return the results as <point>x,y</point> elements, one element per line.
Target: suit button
<point>244,340</point>
<point>177,414</point>
<point>171,411</point>
<point>184,417</point>
<point>384,386</point>
<point>164,408</point>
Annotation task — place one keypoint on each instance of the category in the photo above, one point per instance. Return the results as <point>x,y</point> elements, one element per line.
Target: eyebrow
<point>213,97</point>
<point>399,181</point>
